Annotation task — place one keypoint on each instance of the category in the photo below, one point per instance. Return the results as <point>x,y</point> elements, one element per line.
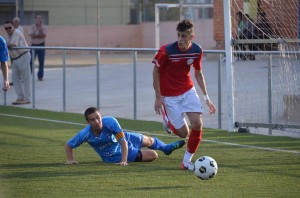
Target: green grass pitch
<point>32,162</point>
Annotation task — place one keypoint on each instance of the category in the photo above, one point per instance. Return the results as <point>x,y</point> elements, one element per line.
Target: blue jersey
<point>106,143</point>
<point>3,50</point>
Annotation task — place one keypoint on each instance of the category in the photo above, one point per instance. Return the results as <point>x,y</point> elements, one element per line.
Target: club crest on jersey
<point>190,61</point>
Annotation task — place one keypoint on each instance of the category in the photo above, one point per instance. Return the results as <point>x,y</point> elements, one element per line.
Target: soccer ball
<point>205,168</point>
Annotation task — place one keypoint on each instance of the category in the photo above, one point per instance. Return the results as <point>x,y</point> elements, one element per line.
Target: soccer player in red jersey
<point>175,93</point>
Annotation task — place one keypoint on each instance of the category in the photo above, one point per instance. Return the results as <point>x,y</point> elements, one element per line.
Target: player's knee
<point>183,132</point>
<point>149,155</point>
<point>182,135</point>
<point>151,141</point>
<point>197,125</point>
<point>147,141</point>
<point>154,155</point>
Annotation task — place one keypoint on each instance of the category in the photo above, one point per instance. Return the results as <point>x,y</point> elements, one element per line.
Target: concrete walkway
<point>116,91</point>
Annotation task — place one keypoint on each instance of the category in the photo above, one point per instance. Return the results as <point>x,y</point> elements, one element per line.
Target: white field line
<point>150,133</point>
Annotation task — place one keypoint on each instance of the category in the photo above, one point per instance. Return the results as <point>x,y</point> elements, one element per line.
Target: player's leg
<point>173,107</point>
<point>147,155</point>
<point>154,143</point>
<point>193,109</point>
<point>194,138</point>
<point>167,125</point>
<point>135,142</point>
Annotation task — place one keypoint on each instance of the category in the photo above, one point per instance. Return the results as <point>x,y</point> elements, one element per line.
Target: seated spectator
<point>246,30</point>
<point>264,31</point>
<point>250,32</point>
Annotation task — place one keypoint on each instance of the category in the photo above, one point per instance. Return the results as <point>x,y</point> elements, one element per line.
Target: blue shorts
<point>134,141</point>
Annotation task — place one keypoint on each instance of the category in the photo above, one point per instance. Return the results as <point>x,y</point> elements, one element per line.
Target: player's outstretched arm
<point>69,153</point>
<point>158,104</point>
<point>201,82</point>
<point>124,148</point>
<point>4,68</point>
<point>212,108</point>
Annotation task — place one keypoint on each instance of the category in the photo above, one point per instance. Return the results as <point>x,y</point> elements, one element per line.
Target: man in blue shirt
<point>4,64</point>
<point>113,145</point>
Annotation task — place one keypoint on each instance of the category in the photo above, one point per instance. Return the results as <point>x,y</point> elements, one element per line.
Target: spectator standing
<point>246,30</point>
<point>265,31</point>
<point>38,33</point>
<point>16,23</point>
<point>20,64</point>
<point>240,35</point>
<point>250,32</point>
<point>4,64</point>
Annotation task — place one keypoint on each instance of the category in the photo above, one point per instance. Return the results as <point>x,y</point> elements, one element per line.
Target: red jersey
<point>174,67</point>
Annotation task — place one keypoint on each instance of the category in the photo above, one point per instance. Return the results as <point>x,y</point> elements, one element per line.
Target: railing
<point>134,52</point>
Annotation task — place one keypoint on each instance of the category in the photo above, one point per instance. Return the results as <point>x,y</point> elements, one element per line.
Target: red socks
<point>194,141</point>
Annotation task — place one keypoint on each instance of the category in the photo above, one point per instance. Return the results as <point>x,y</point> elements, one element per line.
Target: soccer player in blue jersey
<point>4,64</point>
<point>175,93</point>
<point>113,144</point>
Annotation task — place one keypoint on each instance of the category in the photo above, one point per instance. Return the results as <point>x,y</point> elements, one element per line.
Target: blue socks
<point>158,145</point>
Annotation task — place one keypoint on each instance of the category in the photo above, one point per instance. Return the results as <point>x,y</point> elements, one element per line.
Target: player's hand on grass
<point>123,163</point>
<point>71,162</point>
<point>212,108</point>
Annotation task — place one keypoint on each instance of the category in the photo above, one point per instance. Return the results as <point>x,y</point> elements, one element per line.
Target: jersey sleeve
<point>115,128</point>
<point>3,50</point>
<point>79,138</point>
<point>160,58</point>
<point>198,63</point>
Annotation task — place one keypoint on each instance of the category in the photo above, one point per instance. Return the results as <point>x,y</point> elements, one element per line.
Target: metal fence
<point>220,94</point>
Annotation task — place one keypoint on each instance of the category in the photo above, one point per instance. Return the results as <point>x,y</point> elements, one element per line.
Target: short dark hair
<point>184,25</point>
<point>89,111</point>
<point>8,22</point>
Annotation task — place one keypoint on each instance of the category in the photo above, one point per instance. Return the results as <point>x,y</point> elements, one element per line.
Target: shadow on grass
<point>58,170</point>
<point>40,170</point>
<point>47,174</point>
<point>160,188</point>
<point>46,165</point>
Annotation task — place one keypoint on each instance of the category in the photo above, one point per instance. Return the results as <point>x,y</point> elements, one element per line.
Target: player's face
<point>95,120</point>
<point>184,40</point>
<point>9,28</point>
<point>38,19</point>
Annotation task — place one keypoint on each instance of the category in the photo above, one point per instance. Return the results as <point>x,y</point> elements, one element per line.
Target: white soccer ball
<point>206,168</point>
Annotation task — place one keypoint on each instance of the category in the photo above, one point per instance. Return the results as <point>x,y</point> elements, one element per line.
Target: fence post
<point>64,80</point>
<point>270,92</point>
<point>229,72</point>
<point>98,79</point>
<point>220,91</point>
<point>134,85</point>
<point>4,97</point>
<point>33,76</point>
